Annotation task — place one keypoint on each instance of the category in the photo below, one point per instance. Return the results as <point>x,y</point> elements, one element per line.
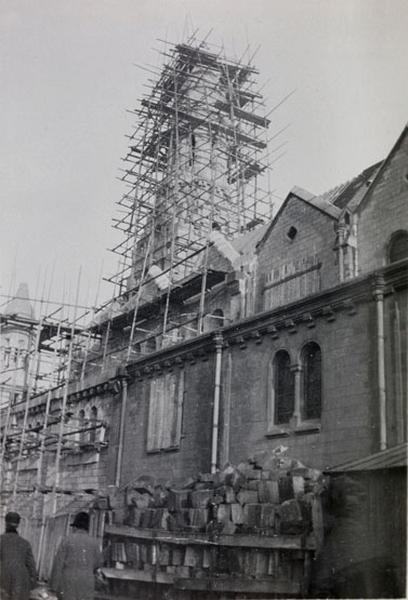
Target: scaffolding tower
<point>195,163</point>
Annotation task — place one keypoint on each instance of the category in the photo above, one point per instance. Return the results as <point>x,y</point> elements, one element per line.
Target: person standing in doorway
<point>76,562</point>
<point>17,566</point>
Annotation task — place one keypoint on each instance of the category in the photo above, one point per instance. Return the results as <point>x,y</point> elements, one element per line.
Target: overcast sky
<point>67,75</point>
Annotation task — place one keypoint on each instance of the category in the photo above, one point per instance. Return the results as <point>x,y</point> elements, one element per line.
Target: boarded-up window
<point>289,282</point>
<point>312,381</point>
<point>165,411</point>
<point>283,388</point>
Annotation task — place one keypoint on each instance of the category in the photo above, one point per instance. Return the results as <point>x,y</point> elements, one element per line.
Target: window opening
<point>292,233</point>
<point>193,150</point>
<point>165,411</point>
<point>398,247</point>
<point>93,422</point>
<point>217,319</point>
<point>151,344</point>
<point>283,388</point>
<point>81,418</point>
<point>312,381</point>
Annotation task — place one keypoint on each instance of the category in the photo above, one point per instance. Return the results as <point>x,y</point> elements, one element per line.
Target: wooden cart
<point>154,564</point>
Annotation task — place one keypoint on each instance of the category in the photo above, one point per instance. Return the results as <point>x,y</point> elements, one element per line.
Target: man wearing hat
<point>17,567</point>
<point>76,562</point>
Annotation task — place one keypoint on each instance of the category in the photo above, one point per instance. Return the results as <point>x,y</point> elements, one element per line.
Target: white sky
<point>67,76</point>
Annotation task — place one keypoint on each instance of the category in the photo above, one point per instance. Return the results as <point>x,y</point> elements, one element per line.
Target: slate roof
<point>346,194</point>
<point>332,203</point>
<point>357,184</point>
<point>322,202</point>
<point>365,198</point>
<point>245,244</point>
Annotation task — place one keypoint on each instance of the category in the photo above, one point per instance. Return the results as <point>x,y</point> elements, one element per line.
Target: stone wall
<point>282,259</point>
<point>384,210</point>
<point>193,453</point>
<point>347,392</point>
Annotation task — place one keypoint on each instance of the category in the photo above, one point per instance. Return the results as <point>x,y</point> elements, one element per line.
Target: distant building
<point>16,339</point>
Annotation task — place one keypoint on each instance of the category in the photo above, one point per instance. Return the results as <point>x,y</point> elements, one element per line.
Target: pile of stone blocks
<point>243,524</point>
<point>268,494</point>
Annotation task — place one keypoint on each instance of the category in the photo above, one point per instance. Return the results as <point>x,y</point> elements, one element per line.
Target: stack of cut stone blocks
<point>223,522</point>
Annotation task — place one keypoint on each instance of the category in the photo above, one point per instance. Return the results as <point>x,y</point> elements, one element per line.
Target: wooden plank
<point>162,395</point>
<point>283,542</point>
<point>233,584</point>
<point>151,424</point>
<point>158,535</point>
<point>243,114</point>
<point>176,430</point>
<point>138,575</point>
<point>198,121</point>
<point>104,596</point>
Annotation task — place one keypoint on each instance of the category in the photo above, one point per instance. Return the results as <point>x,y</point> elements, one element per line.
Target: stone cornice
<point>190,351</point>
<point>323,305</point>
<point>97,385</point>
<point>304,312</point>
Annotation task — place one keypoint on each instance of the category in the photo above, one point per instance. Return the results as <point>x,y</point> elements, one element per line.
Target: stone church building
<point>304,345</point>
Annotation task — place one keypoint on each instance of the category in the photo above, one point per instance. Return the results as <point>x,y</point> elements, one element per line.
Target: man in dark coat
<point>76,562</point>
<point>17,567</point>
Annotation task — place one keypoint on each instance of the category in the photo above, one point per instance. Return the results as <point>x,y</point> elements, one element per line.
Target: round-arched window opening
<point>214,320</point>
<point>284,391</point>
<point>218,315</point>
<point>81,425</point>
<point>151,344</point>
<point>137,348</point>
<point>312,381</point>
<point>93,423</point>
<point>398,246</point>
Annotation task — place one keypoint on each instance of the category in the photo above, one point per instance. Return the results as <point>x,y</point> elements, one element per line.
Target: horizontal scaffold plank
<point>198,120</point>
<point>234,584</point>
<point>215,584</point>
<point>280,542</point>
<point>137,575</point>
<point>242,114</point>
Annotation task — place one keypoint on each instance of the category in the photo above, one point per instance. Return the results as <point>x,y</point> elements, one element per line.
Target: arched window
<point>151,344</point>
<point>137,349</point>
<point>7,352</point>
<point>81,426</point>
<point>312,381</point>
<point>192,157</point>
<point>398,246</point>
<point>214,320</point>
<point>218,315</point>
<point>283,388</point>
<point>92,423</point>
